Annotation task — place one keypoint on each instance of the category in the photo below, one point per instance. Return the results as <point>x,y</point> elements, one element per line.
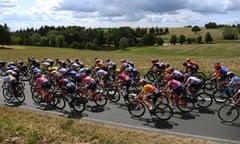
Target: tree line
<point>102,38</point>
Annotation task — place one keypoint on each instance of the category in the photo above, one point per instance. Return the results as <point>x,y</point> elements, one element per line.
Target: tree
<point>166,31</point>
<point>159,41</point>
<point>148,40</point>
<point>4,35</point>
<point>173,40</point>
<point>36,39</point>
<point>123,43</point>
<point>182,39</point>
<point>208,38</point>
<point>60,40</point>
<point>195,29</point>
<point>199,39</point>
<point>211,25</point>
<point>230,33</point>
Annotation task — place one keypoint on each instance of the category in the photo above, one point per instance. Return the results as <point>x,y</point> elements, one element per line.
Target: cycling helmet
<point>184,63</point>
<point>83,75</point>
<point>169,77</point>
<point>123,60</point>
<point>217,65</point>
<point>188,59</point>
<point>142,81</point>
<point>230,73</point>
<point>108,60</point>
<point>38,74</point>
<point>118,70</point>
<point>97,68</point>
<point>61,81</point>
<point>169,70</point>
<point>154,61</point>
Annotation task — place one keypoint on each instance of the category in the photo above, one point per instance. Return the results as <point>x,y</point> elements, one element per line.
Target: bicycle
<point>223,95</point>
<point>203,99</point>
<point>59,100</point>
<point>2,68</point>
<point>162,111</point>
<point>16,93</point>
<point>228,113</point>
<point>183,103</point>
<point>99,99</point>
<point>40,95</point>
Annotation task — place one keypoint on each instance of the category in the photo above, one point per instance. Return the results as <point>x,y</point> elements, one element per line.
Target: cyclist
<point>11,81</point>
<point>192,64</point>
<point>148,88</point>
<point>236,97</point>
<point>89,85</point>
<point>193,84</point>
<point>69,86</point>
<point>157,66</point>
<point>230,84</point>
<point>124,80</point>
<point>220,72</point>
<point>99,63</point>
<point>43,83</point>
<point>174,85</point>
<point>101,76</point>
<point>233,79</point>
<point>177,75</point>
<point>111,65</point>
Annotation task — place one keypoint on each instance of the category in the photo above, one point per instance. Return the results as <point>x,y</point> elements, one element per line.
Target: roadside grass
<point>26,127</point>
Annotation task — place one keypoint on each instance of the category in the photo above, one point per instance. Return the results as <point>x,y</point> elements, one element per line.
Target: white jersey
<point>193,80</point>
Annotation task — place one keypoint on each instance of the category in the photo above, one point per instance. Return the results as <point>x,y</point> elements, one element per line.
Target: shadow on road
<point>206,111</point>
<point>155,123</point>
<point>185,116</point>
<point>234,124</point>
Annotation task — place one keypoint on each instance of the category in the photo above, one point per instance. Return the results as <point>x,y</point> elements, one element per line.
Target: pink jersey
<point>41,80</point>
<point>174,84</point>
<point>88,80</point>
<point>123,76</point>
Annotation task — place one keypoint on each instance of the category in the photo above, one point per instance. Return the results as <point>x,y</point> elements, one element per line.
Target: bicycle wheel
<point>58,101</point>
<point>113,95</point>
<point>100,99</point>
<point>136,109</point>
<point>37,98</point>
<point>185,104</point>
<point>163,111</point>
<point>6,93</point>
<point>79,104</point>
<point>150,76</point>
<point>204,100</point>
<point>228,113</point>
<point>209,87</point>
<point>220,96</point>
<point>20,96</point>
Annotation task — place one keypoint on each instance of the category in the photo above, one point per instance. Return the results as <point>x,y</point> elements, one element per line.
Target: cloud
<point>105,13</point>
<point>7,3</point>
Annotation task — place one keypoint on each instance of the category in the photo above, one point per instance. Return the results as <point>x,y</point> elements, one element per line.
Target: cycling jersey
<point>148,88</point>
<point>193,80</point>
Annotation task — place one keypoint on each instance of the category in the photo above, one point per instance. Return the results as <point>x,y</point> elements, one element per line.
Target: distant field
<point>205,54</point>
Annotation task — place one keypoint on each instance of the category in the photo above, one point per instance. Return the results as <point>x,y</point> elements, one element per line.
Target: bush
<point>123,43</point>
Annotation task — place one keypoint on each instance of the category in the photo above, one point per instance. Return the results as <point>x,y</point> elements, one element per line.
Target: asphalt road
<point>199,123</point>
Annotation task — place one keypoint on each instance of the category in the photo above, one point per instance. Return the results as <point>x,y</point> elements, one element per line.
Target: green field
<point>205,54</point>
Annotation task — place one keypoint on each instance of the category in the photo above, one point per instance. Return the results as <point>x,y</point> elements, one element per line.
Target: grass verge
<point>20,126</point>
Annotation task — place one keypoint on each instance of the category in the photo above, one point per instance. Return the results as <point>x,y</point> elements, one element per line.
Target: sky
<point>22,14</point>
